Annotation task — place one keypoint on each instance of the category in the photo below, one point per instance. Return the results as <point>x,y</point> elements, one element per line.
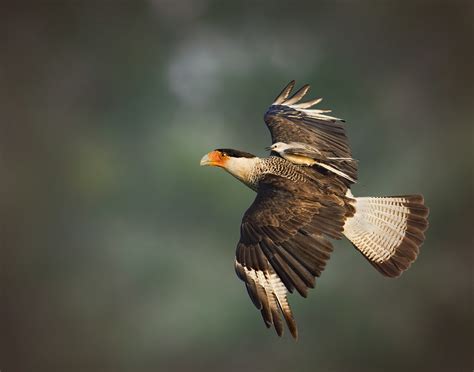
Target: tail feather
<point>334,170</point>
<point>388,231</point>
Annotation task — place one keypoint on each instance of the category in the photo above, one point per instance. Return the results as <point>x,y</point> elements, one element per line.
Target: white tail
<point>388,231</point>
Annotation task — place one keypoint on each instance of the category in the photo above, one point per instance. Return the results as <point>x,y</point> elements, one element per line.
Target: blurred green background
<point>117,249</point>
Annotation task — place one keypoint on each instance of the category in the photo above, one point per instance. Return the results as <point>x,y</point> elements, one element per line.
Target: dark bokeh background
<point>117,248</point>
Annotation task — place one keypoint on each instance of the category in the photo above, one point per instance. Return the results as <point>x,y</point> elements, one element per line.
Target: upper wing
<point>290,120</point>
<point>283,244</point>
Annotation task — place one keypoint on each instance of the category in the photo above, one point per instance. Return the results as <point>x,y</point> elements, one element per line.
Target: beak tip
<point>204,160</point>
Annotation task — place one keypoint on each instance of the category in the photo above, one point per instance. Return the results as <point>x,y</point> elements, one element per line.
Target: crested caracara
<point>303,200</point>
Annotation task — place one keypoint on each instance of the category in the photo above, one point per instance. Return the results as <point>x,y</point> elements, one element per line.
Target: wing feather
<point>283,244</point>
<point>298,95</point>
<point>284,93</point>
<point>291,121</point>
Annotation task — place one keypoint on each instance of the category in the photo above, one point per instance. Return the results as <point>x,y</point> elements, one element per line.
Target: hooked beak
<point>214,158</point>
<point>205,160</point>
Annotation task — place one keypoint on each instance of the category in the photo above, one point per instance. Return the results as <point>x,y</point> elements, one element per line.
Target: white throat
<point>243,169</point>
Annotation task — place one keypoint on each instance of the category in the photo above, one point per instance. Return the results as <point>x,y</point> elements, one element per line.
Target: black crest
<point>236,153</point>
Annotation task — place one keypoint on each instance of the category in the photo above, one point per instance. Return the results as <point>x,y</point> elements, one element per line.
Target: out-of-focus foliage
<point>117,248</point>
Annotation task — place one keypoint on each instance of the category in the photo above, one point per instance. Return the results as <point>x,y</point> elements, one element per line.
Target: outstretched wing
<point>283,244</point>
<point>290,120</point>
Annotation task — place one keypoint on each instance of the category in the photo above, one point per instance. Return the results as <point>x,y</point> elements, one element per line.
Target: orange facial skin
<point>214,158</point>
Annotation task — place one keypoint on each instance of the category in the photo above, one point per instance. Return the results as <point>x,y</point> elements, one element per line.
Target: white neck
<point>242,169</point>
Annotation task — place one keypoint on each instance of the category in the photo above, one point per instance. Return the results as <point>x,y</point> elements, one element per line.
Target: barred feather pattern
<point>269,295</point>
<point>274,165</point>
<point>388,231</point>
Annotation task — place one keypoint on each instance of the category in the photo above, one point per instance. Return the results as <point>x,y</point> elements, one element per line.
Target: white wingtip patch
<point>313,113</point>
<point>270,282</point>
<point>303,107</point>
<point>270,286</point>
<point>317,114</point>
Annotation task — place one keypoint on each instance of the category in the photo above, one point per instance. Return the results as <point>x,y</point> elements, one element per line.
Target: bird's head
<point>216,158</point>
<point>277,147</point>
<point>236,162</point>
<point>223,157</point>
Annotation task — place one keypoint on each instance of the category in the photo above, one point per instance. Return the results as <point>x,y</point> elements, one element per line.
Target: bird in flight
<point>303,200</point>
